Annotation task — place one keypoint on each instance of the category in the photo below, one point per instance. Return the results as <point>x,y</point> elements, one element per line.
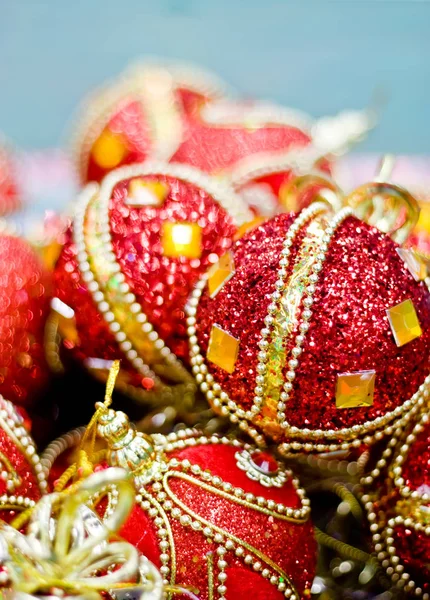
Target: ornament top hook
<point>389,207</point>
<point>382,204</point>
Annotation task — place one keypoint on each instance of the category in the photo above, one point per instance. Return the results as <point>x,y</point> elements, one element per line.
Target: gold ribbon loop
<point>389,207</point>
<point>303,190</point>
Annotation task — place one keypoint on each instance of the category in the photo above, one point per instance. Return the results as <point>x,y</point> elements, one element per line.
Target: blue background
<point>320,56</point>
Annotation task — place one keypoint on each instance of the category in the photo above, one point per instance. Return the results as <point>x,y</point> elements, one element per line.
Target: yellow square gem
<point>220,273</point>
<point>414,263</point>
<point>146,193</point>
<point>223,349</point>
<point>355,389</point>
<point>182,239</point>
<point>404,322</point>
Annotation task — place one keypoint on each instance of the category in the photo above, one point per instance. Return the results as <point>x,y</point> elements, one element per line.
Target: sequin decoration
<point>355,389</point>
<point>223,349</point>
<point>25,288</point>
<point>404,322</point>
<point>181,239</point>
<point>127,295</point>
<point>220,273</point>
<point>146,193</point>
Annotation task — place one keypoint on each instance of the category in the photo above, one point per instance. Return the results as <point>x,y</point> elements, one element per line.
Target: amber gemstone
<point>404,322</point>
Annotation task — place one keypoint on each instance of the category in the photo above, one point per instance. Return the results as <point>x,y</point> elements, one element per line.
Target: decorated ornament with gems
<point>399,509</point>
<point>217,516</point>
<point>317,332</point>
<point>142,114</point>
<point>22,479</point>
<point>25,287</point>
<point>139,242</point>
<point>10,199</point>
<point>66,551</point>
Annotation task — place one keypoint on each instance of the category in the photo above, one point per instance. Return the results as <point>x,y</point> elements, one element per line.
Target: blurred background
<point>317,55</point>
<point>320,56</point>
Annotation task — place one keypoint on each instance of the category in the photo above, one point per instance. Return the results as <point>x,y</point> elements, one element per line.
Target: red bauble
<point>10,199</point>
<point>318,337</point>
<point>398,510</point>
<point>214,513</point>
<point>25,288</point>
<point>22,480</point>
<point>143,114</point>
<point>137,248</point>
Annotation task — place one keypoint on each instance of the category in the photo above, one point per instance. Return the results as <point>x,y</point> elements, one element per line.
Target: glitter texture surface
<point>289,545</point>
<point>25,288</point>
<point>94,337</point>
<point>160,283</point>
<point>361,277</point>
<point>413,549</point>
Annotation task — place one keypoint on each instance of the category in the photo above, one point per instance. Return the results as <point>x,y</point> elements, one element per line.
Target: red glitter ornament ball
<point>22,479</point>
<point>215,515</point>
<point>399,509</point>
<point>317,334</point>
<point>10,199</point>
<point>25,288</point>
<point>142,114</point>
<point>138,245</point>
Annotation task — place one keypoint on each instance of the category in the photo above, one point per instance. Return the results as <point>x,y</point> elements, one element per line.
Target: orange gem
<point>355,389</point>
<point>220,273</point>
<point>404,322</point>
<point>182,239</point>
<point>223,349</point>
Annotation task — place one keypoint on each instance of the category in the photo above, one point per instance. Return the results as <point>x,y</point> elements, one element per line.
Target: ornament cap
<point>128,448</point>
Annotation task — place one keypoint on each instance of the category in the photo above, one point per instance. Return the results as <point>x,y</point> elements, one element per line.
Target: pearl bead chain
<point>12,424</point>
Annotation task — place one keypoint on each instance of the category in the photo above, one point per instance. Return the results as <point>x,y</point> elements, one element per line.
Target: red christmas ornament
<point>399,509</point>
<point>215,515</point>
<point>138,245</point>
<point>10,199</point>
<point>22,479</point>
<point>260,147</point>
<point>314,330</point>
<point>25,287</point>
<point>142,114</point>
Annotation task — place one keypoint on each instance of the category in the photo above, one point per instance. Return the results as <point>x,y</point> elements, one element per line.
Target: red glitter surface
<point>362,277</point>
<point>28,486</point>
<point>413,549</point>
<point>416,467</point>
<point>25,288</point>
<point>162,284</point>
<point>95,338</point>
<point>241,305</point>
<point>290,545</point>
<point>214,148</point>
<point>127,120</point>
